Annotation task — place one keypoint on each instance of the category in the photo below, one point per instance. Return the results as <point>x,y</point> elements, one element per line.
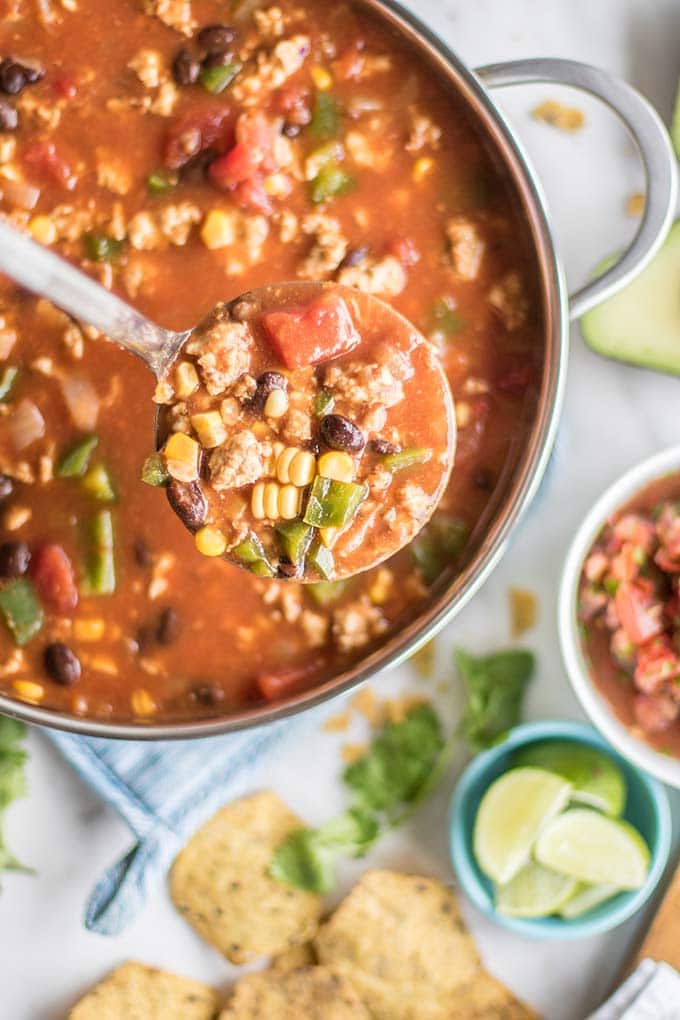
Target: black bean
<point>9,118</point>
<point>266,384</point>
<point>215,38</point>
<point>291,130</point>
<point>287,569</point>
<point>14,559</point>
<point>217,59</point>
<point>354,256</point>
<point>383,447</point>
<point>62,665</point>
<point>142,554</point>
<point>341,434</point>
<point>185,68</point>
<point>33,74</point>
<point>208,694</point>
<point>169,627</point>
<point>189,503</point>
<point>12,77</point>
<point>483,479</point>
<point>6,487</point>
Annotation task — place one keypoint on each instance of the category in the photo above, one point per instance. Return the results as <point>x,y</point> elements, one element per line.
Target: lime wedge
<point>512,813</point>
<point>585,898</point>
<point>595,849</point>
<point>596,780</point>
<point>535,891</point>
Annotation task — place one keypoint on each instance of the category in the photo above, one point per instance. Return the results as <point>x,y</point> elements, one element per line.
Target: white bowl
<point>663,766</point>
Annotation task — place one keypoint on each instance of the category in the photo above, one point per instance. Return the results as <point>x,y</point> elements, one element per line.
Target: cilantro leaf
<point>494,685</point>
<point>399,762</point>
<point>307,858</point>
<point>12,778</point>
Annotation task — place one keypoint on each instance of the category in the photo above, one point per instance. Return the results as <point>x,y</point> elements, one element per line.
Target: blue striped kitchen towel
<point>164,790</point>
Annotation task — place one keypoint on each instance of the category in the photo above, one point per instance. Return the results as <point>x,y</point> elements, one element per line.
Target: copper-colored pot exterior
<point>520,489</point>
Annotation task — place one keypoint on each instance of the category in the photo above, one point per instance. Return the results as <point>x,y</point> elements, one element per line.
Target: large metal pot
<point>524,476</point>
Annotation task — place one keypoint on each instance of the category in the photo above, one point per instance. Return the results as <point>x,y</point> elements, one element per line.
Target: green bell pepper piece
<point>325,116</point>
<point>406,458</point>
<point>216,79</point>
<point>97,482</point>
<point>295,538</point>
<point>439,545</point>
<point>75,461</point>
<point>101,247</point>
<point>445,318</point>
<point>154,471</point>
<point>251,552</point>
<point>330,182</point>
<point>324,403</point>
<point>321,558</point>
<point>333,504</point>
<point>160,182</point>
<point>21,610</point>
<point>7,380</point>
<point>326,593</point>
<point>100,568</point>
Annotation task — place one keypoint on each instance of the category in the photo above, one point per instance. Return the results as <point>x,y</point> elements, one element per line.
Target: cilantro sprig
<point>12,780</point>
<point>398,770</point>
<point>494,687</point>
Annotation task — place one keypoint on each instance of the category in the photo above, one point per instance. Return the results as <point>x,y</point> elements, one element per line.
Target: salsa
<point>629,607</point>
<point>308,433</point>
<point>182,167</point>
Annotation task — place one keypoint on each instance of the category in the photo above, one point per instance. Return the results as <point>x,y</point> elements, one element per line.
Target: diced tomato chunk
<point>639,615</point>
<point>242,169</point>
<point>233,168</point>
<point>54,579</point>
<point>65,86</point>
<point>635,529</point>
<point>307,336</point>
<point>195,132</point>
<point>285,682</point>
<point>43,157</point>
<point>657,664</point>
<point>655,712</point>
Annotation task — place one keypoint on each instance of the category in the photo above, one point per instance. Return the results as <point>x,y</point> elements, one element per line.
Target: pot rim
<point>529,470</point>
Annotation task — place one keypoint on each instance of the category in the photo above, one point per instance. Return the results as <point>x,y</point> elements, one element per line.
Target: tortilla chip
<point>220,882</point>
<point>485,998</point>
<point>401,941</point>
<point>312,993</point>
<point>136,992</point>
<point>294,958</point>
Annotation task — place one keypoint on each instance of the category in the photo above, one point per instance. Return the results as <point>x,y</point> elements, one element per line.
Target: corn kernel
<point>271,500</point>
<point>336,465</point>
<point>186,379</point>
<point>283,462</point>
<point>463,414</point>
<point>29,691</point>
<point>302,468</point>
<point>142,703</point>
<point>290,502</point>
<point>329,536</point>
<point>43,230</point>
<point>260,429</point>
<point>210,541</point>
<point>89,630</point>
<point>381,586</point>
<point>230,409</point>
<point>181,457</point>
<point>276,404</point>
<point>421,168</point>
<point>209,428</point>
<point>217,230</point>
<point>277,185</point>
<point>322,78</point>
<point>257,501</point>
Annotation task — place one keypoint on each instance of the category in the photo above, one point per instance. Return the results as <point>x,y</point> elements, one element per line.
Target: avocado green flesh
<point>641,324</point>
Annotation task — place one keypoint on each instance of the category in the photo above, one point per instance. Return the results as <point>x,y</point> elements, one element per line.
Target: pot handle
<point>653,144</point>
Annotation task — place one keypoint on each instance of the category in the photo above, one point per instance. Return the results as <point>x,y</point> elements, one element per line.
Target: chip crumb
<point>635,204</point>
<point>523,610</point>
<point>134,991</point>
<point>565,118</point>
<point>424,659</point>
<point>220,882</point>
<point>368,705</point>
<point>353,752</point>
<point>337,723</point>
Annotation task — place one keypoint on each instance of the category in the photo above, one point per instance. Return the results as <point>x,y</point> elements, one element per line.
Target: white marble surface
<point>613,417</point>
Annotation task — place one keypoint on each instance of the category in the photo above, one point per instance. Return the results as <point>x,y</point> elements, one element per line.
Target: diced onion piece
<point>26,424</point>
<point>20,194</point>
<point>82,401</point>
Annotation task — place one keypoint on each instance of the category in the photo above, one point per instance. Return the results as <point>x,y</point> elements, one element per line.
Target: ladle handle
<point>42,272</point>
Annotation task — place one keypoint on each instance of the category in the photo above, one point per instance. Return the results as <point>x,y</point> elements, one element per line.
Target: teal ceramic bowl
<point>647,808</point>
